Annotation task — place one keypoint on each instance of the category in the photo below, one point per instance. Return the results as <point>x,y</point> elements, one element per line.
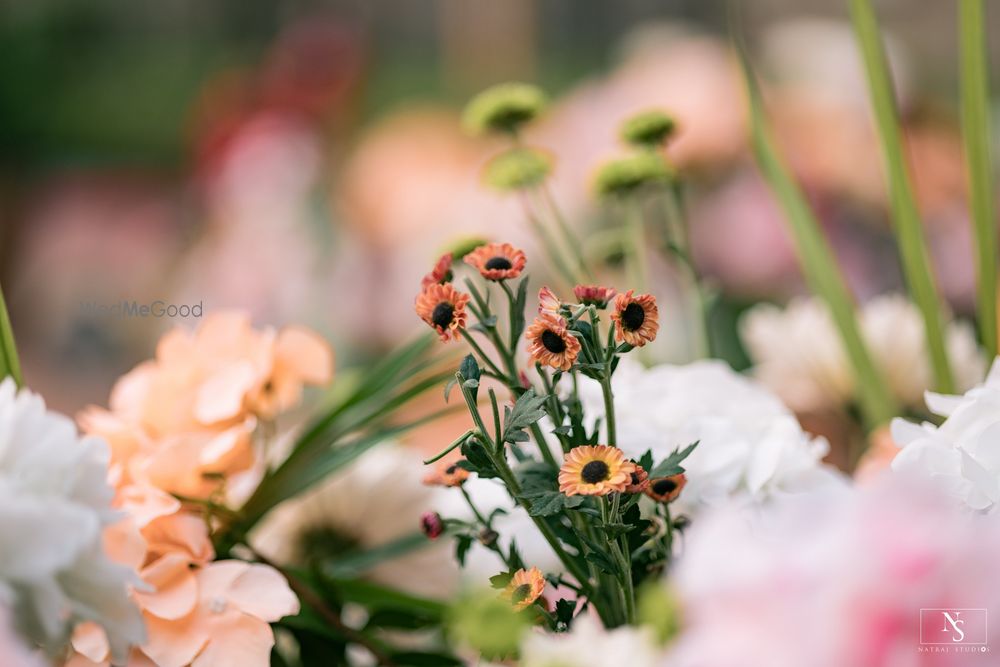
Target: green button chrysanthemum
<point>625,175</point>
<point>648,129</point>
<point>503,108</point>
<point>517,168</point>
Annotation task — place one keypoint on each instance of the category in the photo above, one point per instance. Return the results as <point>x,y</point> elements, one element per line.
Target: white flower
<point>799,356</point>
<point>751,448</point>
<point>962,456</point>
<point>13,651</point>
<point>54,504</point>
<point>588,644</point>
<point>374,501</point>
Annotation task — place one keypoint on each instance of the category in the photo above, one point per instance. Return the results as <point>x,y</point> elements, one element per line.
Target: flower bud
<point>432,524</point>
<point>649,129</point>
<point>624,176</point>
<point>488,537</point>
<point>517,168</point>
<point>503,108</point>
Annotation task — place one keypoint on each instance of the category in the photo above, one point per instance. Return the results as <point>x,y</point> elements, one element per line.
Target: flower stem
<point>638,271</point>
<point>679,239</point>
<point>571,240</point>
<point>609,408</point>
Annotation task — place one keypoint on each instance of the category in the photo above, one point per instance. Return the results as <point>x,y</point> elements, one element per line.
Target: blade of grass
<point>976,132</point>
<point>818,264</point>
<point>9,364</point>
<point>906,217</point>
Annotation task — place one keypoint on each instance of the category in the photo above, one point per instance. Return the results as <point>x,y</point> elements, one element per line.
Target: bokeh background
<point>304,160</point>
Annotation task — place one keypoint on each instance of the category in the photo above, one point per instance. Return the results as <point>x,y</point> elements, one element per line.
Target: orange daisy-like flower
<point>443,307</point>
<point>440,274</point>
<point>666,489</point>
<point>548,302</point>
<point>595,471</point>
<point>447,474</point>
<point>639,480</point>
<point>550,343</point>
<point>637,318</point>
<point>525,587</point>
<point>497,261</point>
<point>594,295</point>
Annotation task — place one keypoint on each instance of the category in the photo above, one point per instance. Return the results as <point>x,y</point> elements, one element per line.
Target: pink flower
<point>831,581</point>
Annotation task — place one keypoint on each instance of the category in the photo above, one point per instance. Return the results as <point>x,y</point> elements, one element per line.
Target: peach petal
<point>174,643</point>
<point>124,544</point>
<point>184,533</point>
<point>238,640</point>
<point>176,588</point>
<point>90,641</point>
<point>230,450</point>
<point>263,592</point>
<point>304,354</point>
<point>221,396</point>
<point>145,503</point>
<point>215,579</point>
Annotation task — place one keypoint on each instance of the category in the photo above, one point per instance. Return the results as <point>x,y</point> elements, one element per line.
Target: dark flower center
<point>451,469</point>
<point>521,593</point>
<point>633,316</point>
<point>664,486</point>
<point>499,263</point>
<point>443,314</point>
<point>594,472</point>
<point>635,478</point>
<point>553,342</point>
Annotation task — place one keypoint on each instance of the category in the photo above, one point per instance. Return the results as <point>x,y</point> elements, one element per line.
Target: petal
<point>90,641</point>
<point>175,587</point>
<point>175,643</point>
<point>181,532</point>
<point>215,579</point>
<point>305,355</point>
<point>263,592</point>
<point>238,640</point>
<point>221,396</point>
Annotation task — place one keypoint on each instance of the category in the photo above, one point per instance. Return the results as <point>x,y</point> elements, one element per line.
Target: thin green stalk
<point>444,452</point>
<point>680,239</point>
<point>976,132</point>
<point>568,236</point>
<point>609,409</point>
<point>637,268</point>
<point>482,355</point>
<point>906,217</point>
<point>818,265</point>
<point>9,364</point>
<point>549,243</point>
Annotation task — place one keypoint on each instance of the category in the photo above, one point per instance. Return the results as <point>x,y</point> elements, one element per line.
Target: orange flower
<point>440,274</point>
<point>525,587</point>
<point>299,356</point>
<point>595,471</point>
<point>443,307</point>
<point>446,474</point>
<point>594,295</point>
<point>636,318</point>
<point>497,261</point>
<point>548,302</point>
<point>666,489</point>
<point>639,481</point>
<point>550,343</point>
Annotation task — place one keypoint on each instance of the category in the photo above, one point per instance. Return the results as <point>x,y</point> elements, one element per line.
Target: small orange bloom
<point>497,261</point>
<point>443,307</point>
<point>594,295</point>
<point>551,344</point>
<point>525,587</point>
<point>639,481</point>
<point>666,489</point>
<point>637,318</point>
<point>440,274</point>
<point>595,471</point>
<point>446,474</point>
<point>548,302</point>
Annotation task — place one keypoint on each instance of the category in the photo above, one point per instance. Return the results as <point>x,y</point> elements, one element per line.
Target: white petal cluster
<point>751,448</point>
<point>588,644</point>
<point>799,356</point>
<point>962,455</point>
<point>55,502</point>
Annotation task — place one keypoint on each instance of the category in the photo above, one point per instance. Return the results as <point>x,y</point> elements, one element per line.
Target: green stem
<point>638,271</point>
<point>681,247</point>
<point>609,408</point>
<point>906,217</point>
<point>444,452</point>
<point>976,132</point>
<point>482,355</point>
<point>568,236</point>
<point>551,248</point>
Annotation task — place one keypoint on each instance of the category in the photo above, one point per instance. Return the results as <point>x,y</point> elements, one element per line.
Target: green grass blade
<point>906,217</point>
<point>9,364</point>
<point>976,132</point>
<point>818,264</point>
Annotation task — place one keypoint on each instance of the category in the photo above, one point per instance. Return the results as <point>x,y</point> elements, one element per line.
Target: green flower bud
<point>648,129</point>
<point>626,175</point>
<point>488,625</point>
<point>658,609</point>
<point>503,108</point>
<point>462,246</point>
<point>517,168</point>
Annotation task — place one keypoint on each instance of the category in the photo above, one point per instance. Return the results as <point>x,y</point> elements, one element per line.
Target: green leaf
<point>672,464</point>
<point>9,364</point>
<point>975,86</point>
<point>422,659</point>
<point>603,562</point>
<point>528,409</point>
<point>477,460</point>
<point>462,545</point>
<point>547,503</point>
<point>818,263</point>
<point>352,565</point>
<point>500,581</point>
<point>907,226</point>
<point>564,612</point>
<point>399,620</point>
<point>375,596</point>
